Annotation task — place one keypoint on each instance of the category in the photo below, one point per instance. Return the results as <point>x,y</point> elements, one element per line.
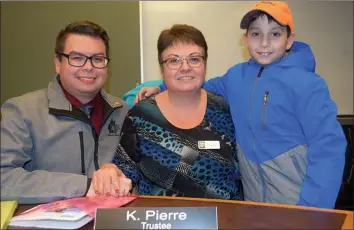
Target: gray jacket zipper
<point>82,152</point>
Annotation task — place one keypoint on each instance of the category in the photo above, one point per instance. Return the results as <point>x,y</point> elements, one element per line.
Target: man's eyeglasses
<point>177,62</point>
<point>79,60</point>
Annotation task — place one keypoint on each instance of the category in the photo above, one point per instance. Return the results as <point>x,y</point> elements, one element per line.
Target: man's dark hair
<point>81,28</point>
<point>181,34</point>
<point>256,14</point>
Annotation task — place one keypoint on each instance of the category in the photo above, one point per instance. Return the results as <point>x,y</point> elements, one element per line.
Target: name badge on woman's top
<point>208,144</point>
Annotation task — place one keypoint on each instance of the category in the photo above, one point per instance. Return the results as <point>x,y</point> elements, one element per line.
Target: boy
<point>291,146</point>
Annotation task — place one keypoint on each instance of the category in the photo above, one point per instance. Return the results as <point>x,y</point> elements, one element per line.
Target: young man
<point>291,146</point>
<point>52,140</point>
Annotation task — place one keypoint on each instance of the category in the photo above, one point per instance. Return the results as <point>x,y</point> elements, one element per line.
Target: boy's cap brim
<point>279,10</point>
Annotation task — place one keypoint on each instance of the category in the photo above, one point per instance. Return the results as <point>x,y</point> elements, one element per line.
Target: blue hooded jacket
<point>291,146</point>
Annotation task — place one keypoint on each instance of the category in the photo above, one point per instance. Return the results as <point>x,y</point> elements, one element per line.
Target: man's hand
<point>109,180</point>
<point>146,92</point>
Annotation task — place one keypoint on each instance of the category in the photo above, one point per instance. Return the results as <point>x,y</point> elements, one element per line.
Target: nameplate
<point>208,144</point>
<point>157,218</point>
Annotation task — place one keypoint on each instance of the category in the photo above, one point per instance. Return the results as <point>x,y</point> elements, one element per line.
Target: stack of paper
<point>67,214</point>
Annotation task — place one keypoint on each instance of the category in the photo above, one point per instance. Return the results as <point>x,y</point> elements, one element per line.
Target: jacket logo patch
<point>113,128</point>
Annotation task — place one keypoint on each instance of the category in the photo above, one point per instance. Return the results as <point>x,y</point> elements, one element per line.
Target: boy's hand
<point>146,92</point>
<point>110,180</point>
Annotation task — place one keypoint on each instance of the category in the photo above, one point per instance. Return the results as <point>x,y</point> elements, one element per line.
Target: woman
<point>181,142</point>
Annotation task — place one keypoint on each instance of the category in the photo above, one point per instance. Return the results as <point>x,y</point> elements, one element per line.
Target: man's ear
<point>290,41</point>
<point>57,64</point>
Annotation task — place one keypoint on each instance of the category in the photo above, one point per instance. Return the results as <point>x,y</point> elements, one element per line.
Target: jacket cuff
<point>88,185</point>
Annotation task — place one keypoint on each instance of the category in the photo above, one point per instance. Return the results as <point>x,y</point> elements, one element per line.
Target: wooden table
<point>346,119</point>
<point>249,215</point>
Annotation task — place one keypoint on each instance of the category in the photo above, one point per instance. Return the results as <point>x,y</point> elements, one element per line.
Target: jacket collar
<point>57,99</point>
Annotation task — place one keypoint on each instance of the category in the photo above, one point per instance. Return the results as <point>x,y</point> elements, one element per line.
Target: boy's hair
<point>184,34</point>
<point>254,15</point>
<point>81,28</point>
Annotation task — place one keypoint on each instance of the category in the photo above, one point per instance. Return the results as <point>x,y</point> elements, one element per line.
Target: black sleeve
<point>130,139</point>
<point>127,154</point>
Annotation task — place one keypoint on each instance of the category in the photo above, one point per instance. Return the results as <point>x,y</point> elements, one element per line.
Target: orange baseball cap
<point>279,10</point>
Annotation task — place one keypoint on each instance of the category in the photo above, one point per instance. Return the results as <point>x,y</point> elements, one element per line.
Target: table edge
<point>248,203</point>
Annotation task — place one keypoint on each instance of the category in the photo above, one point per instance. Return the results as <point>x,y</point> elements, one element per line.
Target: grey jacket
<point>49,150</point>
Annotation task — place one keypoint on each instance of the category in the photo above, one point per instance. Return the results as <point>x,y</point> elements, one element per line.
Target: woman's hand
<point>110,180</point>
